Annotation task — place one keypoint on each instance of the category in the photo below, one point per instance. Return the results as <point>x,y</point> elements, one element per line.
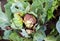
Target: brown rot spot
<point>29,20</point>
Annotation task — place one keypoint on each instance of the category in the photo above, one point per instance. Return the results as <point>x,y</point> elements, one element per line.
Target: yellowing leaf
<point>17,21</point>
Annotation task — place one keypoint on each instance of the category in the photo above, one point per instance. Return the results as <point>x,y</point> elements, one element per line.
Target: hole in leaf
<point>16,7</point>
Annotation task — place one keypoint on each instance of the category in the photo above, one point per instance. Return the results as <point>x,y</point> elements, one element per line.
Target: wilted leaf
<point>44,9</point>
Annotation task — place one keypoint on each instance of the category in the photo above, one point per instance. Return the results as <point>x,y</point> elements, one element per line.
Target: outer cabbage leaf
<point>7,34</point>
<point>8,11</point>
<point>20,7</point>
<point>3,19</point>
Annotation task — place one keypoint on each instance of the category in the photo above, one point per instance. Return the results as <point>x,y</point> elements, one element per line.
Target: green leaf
<point>3,19</point>
<point>39,36</point>
<point>40,7</point>
<point>27,8</point>
<point>6,34</point>
<point>37,8</point>
<point>15,37</point>
<point>44,9</point>
<point>8,11</point>
<point>47,4</point>
<point>10,1</point>
<point>58,25</point>
<point>35,5</point>
<point>13,26</point>
<point>26,39</point>
<point>50,38</point>
<point>52,8</point>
